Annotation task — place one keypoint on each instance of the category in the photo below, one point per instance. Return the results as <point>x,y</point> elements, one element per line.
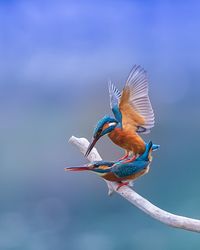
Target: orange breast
<point>128,139</point>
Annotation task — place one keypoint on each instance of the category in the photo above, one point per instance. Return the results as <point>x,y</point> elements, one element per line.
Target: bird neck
<point>117,114</point>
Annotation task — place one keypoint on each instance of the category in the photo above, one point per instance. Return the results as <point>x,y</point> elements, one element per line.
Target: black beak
<point>77,168</point>
<point>92,144</point>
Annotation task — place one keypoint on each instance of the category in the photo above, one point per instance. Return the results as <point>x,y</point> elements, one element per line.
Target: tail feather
<point>145,156</point>
<point>155,147</point>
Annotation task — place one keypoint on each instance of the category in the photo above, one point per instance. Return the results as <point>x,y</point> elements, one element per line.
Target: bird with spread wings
<point>133,115</point>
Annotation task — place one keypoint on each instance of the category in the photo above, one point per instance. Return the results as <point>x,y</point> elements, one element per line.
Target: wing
<point>134,103</point>
<point>115,96</point>
<point>128,169</point>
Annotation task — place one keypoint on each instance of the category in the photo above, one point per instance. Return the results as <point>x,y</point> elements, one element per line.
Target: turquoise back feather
<point>127,169</point>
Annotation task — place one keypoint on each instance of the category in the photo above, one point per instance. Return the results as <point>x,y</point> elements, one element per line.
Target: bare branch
<point>137,200</point>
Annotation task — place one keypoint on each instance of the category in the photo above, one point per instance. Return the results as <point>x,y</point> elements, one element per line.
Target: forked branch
<point>137,200</point>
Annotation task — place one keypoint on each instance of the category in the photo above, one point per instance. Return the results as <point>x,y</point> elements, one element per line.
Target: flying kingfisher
<point>121,171</point>
<point>133,115</point>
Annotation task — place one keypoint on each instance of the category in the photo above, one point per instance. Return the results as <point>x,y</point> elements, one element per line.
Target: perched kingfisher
<point>133,115</point>
<point>121,171</point>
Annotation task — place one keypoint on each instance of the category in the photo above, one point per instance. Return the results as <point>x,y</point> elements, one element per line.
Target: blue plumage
<point>118,115</point>
<point>101,163</point>
<point>101,123</point>
<point>128,169</point>
<point>133,115</point>
<point>122,169</point>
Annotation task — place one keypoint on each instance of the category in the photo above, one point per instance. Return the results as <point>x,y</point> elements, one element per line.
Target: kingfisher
<point>121,172</point>
<point>133,115</point>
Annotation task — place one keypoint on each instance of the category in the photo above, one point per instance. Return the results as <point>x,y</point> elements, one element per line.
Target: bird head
<point>95,166</point>
<point>103,127</point>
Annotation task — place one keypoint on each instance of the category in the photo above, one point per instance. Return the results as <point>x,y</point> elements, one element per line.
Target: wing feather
<point>135,104</point>
<point>128,169</point>
<point>114,95</point>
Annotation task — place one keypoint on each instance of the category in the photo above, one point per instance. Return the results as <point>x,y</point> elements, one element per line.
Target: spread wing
<point>114,95</point>
<point>134,103</point>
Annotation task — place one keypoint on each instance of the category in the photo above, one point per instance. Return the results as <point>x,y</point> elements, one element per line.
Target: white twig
<point>137,200</point>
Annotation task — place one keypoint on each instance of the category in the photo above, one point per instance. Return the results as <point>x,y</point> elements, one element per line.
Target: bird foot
<point>131,183</point>
<point>121,185</point>
<point>124,157</point>
<point>131,159</point>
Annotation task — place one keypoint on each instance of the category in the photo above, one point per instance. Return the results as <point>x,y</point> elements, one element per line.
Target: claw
<point>124,157</point>
<point>121,185</point>
<point>131,183</point>
<point>131,159</point>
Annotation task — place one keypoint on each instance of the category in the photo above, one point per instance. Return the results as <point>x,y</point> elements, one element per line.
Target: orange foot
<point>131,159</point>
<point>124,157</point>
<point>121,184</point>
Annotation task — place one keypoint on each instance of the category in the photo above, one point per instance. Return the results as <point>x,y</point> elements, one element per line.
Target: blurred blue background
<point>56,59</point>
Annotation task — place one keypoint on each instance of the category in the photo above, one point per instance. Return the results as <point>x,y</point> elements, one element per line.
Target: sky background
<point>56,58</point>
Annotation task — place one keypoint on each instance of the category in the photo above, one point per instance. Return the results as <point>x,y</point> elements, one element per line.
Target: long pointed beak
<point>77,168</point>
<point>90,147</point>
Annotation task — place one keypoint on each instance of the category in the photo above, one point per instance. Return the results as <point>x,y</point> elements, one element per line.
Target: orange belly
<point>128,139</point>
<point>112,177</point>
